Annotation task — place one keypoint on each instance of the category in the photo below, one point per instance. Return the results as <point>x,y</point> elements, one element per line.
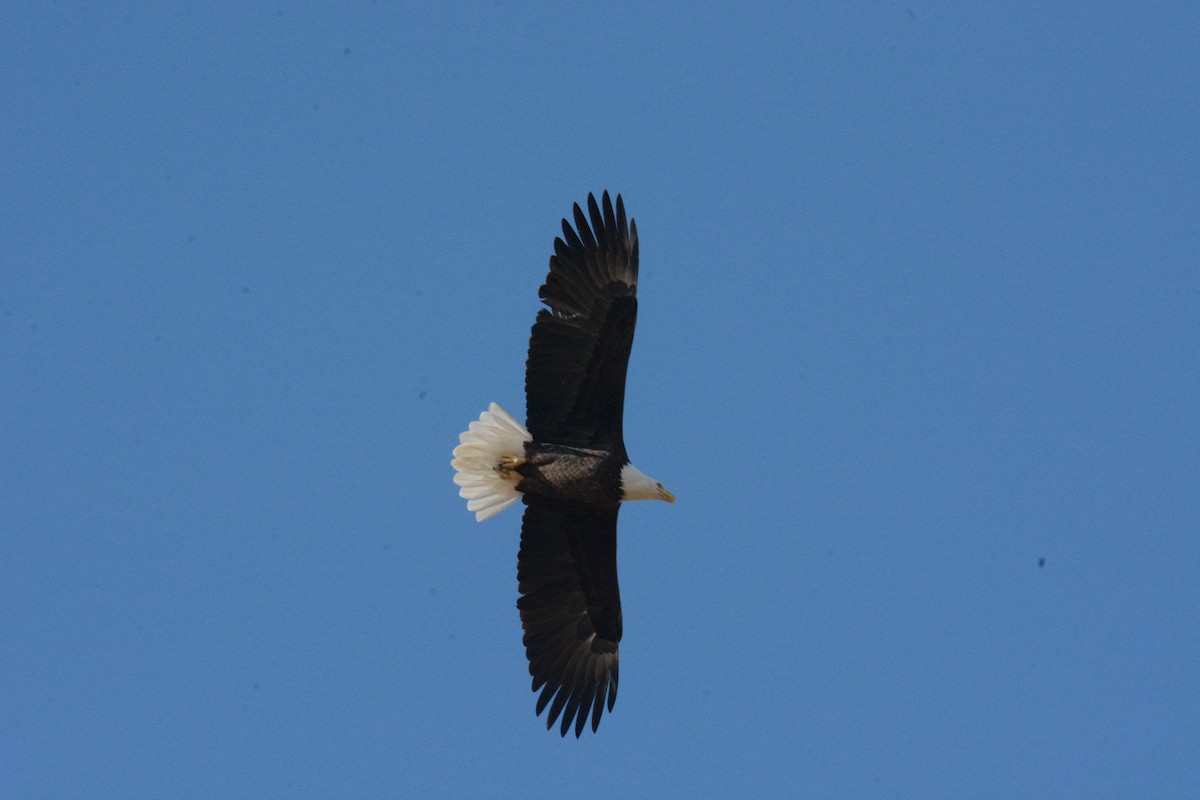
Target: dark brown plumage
<point>570,607</point>
<point>574,395</point>
<point>569,466</point>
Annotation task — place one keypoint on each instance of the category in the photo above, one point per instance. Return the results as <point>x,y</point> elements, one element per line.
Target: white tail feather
<point>487,489</point>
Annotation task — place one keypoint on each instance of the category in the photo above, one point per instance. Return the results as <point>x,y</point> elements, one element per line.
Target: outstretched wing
<point>570,607</point>
<point>579,348</point>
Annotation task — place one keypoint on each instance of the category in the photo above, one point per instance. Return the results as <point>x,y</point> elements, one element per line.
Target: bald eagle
<point>568,465</point>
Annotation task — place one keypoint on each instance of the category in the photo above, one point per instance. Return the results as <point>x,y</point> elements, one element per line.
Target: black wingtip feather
<point>612,684</point>
<point>581,226</point>
<point>582,684</point>
<point>611,229</point>
<point>597,221</point>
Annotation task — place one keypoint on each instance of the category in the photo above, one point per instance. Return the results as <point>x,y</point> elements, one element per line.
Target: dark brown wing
<point>579,348</point>
<point>570,607</point>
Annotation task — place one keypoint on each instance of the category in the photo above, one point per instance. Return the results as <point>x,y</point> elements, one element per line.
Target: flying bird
<point>568,465</point>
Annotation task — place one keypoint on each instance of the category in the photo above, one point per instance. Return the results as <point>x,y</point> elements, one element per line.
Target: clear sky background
<point>918,352</point>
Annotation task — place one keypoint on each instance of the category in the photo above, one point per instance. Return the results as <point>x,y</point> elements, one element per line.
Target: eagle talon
<point>507,466</point>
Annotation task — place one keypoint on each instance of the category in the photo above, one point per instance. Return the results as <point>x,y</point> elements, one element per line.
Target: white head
<point>636,485</point>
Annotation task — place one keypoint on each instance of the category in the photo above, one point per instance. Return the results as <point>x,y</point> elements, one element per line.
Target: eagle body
<point>571,473</point>
<point>568,465</point>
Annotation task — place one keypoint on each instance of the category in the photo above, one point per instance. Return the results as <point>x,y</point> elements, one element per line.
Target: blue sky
<point>917,352</point>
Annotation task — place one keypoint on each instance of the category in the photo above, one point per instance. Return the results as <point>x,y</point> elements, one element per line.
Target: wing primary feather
<point>610,224</point>
<point>622,227</point>
<point>570,238</point>
<point>579,690</point>
<point>544,698</point>
<point>581,224</point>
<point>633,251</point>
<point>581,701</point>
<point>598,703</point>
<point>564,694</point>
<point>597,221</point>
